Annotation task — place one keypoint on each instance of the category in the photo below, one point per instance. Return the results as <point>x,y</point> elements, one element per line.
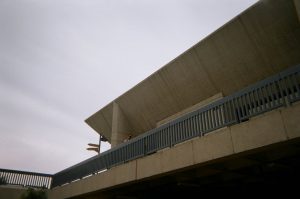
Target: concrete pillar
<point>297,6</point>
<point>121,129</point>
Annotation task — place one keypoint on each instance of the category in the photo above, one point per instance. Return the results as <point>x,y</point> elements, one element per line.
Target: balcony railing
<point>26,179</point>
<point>276,91</point>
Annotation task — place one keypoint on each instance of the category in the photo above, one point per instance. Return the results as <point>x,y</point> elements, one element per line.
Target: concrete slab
<point>291,119</point>
<point>258,131</point>
<point>150,165</point>
<point>213,146</point>
<point>179,156</point>
<point>99,181</point>
<point>125,172</point>
<point>114,176</point>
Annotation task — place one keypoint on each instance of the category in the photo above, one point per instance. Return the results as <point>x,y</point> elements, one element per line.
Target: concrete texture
<point>117,175</point>
<point>179,156</point>
<point>125,173</point>
<point>121,128</point>
<point>12,192</point>
<point>213,146</point>
<point>291,119</point>
<point>277,126</point>
<point>258,131</point>
<point>149,165</point>
<point>102,121</point>
<point>191,109</point>
<point>261,41</point>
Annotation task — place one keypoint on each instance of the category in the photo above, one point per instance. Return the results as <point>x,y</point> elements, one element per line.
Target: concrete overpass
<point>262,151</point>
<point>256,150</point>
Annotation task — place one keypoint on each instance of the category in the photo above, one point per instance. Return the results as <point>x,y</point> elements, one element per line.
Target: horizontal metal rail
<point>24,178</point>
<point>266,95</point>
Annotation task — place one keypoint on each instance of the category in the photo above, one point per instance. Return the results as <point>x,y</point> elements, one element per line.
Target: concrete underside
<point>261,41</point>
<point>11,192</point>
<point>267,172</point>
<point>269,142</point>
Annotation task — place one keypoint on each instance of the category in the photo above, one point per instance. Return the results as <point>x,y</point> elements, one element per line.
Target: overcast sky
<point>63,60</point>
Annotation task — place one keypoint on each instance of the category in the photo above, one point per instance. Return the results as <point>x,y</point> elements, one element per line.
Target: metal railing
<point>26,179</point>
<point>273,92</point>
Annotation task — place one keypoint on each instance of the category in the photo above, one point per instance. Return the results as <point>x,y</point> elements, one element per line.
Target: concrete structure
<point>277,130</point>
<point>262,41</point>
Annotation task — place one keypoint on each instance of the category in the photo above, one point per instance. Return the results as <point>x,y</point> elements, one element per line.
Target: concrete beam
<point>212,146</point>
<point>117,175</point>
<point>121,128</point>
<point>291,122</point>
<point>259,131</point>
<point>150,165</point>
<point>177,157</point>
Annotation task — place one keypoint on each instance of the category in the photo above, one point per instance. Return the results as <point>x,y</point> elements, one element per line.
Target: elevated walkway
<point>280,90</point>
<point>278,130</point>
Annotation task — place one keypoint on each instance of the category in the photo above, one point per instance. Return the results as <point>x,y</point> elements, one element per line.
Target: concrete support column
<point>121,129</point>
<point>297,6</point>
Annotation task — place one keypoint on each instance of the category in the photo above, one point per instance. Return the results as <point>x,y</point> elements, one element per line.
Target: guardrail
<point>24,178</point>
<point>273,92</point>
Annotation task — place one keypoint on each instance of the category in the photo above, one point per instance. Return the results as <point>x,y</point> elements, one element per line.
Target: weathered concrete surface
<point>179,156</point>
<point>191,109</point>
<point>259,131</point>
<point>212,146</point>
<point>277,126</point>
<point>114,176</point>
<point>149,165</point>
<point>102,121</point>
<point>261,41</point>
<point>125,173</point>
<point>7,192</point>
<point>121,128</point>
<point>291,122</point>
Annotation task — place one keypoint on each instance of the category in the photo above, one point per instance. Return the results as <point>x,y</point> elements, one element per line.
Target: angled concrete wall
<point>258,43</point>
<point>121,128</point>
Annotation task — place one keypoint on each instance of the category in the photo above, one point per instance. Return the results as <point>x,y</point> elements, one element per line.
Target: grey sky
<point>62,60</point>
